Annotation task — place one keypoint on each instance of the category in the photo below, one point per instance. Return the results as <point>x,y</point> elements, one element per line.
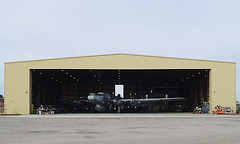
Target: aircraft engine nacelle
<point>100,108</point>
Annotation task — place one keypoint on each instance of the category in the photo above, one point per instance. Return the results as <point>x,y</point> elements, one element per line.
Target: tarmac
<point>134,128</point>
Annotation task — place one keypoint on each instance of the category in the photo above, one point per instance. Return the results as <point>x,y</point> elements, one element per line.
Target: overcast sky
<point>208,30</point>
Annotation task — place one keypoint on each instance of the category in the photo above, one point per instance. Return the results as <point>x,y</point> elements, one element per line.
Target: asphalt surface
<point>121,129</point>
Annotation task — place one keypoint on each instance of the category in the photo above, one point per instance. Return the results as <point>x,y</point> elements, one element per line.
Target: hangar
<point>50,81</point>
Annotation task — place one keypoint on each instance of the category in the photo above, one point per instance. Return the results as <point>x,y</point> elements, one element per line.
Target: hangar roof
<point>118,54</point>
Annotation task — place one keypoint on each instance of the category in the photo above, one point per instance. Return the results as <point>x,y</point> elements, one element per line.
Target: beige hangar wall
<point>17,75</point>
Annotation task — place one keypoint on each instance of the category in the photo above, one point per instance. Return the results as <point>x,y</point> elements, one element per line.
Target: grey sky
<point>203,29</point>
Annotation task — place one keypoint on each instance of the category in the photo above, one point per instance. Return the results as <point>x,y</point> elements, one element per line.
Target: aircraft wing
<point>155,99</point>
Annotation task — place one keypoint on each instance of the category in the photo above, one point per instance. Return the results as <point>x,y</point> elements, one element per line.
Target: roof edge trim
<point>119,54</point>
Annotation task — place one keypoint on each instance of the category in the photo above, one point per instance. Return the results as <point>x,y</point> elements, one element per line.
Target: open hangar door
<point>66,90</point>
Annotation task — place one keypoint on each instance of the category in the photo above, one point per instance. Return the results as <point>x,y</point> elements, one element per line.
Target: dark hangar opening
<point>66,90</point>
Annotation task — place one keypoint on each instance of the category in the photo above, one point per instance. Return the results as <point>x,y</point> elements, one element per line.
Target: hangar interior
<point>67,89</point>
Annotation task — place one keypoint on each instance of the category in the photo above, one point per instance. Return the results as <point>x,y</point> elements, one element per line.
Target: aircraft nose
<point>91,98</point>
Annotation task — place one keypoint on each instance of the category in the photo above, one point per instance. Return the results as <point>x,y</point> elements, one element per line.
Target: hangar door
<point>67,90</point>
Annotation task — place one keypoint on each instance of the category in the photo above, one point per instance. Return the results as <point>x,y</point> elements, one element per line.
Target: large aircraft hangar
<point>63,82</point>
